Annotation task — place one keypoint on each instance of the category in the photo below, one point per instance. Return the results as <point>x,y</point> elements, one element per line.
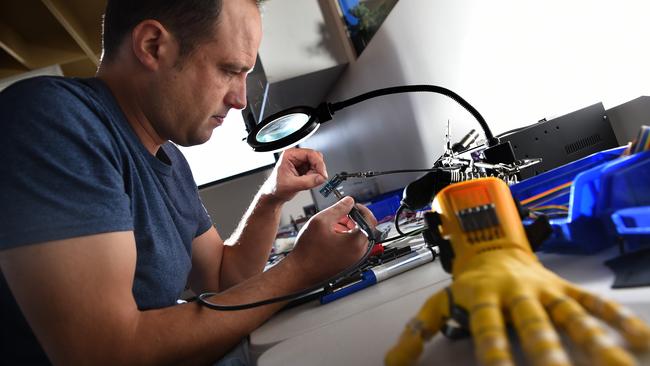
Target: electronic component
<point>563,139</point>
<point>465,142</point>
<point>459,162</point>
<point>332,184</point>
<point>451,169</point>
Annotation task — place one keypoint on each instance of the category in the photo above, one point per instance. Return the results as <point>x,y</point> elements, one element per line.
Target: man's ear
<point>153,45</point>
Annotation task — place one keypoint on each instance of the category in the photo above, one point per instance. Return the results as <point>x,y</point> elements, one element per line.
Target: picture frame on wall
<point>362,19</point>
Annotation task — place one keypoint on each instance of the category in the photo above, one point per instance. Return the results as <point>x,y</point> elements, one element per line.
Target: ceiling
<point>40,33</point>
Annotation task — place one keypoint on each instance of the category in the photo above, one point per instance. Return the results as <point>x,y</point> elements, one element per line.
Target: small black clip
<point>433,238</point>
<point>538,231</point>
<point>457,326</point>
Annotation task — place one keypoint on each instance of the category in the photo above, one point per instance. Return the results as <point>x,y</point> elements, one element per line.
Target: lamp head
<point>287,128</point>
<point>290,126</point>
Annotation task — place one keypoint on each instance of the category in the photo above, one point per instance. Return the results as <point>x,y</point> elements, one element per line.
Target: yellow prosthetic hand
<point>497,280</point>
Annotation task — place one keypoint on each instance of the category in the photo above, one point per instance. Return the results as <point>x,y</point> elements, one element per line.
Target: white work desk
<point>360,328</point>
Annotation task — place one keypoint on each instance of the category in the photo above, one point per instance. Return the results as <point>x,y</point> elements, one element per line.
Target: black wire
<point>420,88</point>
<point>296,295</point>
<point>202,297</point>
<point>401,236</point>
<point>371,173</point>
<point>404,171</point>
<point>398,213</point>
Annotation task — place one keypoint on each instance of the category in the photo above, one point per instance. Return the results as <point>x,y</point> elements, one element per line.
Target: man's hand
<point>297,170</point>
<point>247,249</point>
<point>330,242</point>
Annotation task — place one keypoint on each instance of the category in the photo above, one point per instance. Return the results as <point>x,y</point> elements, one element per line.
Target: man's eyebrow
<point>234,66</point>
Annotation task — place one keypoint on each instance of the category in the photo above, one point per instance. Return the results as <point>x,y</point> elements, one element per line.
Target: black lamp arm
<point>337,106</point>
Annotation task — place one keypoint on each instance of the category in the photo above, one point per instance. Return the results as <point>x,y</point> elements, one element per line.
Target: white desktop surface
<point>301,319</point>
<point>360,328</point>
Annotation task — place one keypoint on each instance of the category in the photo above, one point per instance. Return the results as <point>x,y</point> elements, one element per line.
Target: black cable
<point>402,236</point>
<point>202,297</point>
<point>333,107</point>
<point>398,213</point>
<point>296,295</point>
<point>372,173</point>
<point>404,171</point>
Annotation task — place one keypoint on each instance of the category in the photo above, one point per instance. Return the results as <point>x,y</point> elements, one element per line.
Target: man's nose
<point>237,95</point>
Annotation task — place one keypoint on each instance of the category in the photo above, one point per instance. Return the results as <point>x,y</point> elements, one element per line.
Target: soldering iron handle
<point>357,217</point>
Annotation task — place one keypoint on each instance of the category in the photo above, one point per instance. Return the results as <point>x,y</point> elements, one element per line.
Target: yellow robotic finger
<point>540,341</point>
<point>489,333</point>
<point>420,329</point>
<point>585,331</point>
<point>635,331</point>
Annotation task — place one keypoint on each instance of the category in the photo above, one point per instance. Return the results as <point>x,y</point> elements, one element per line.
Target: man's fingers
<point>585,331</point>
<point>635,331</point>
<point>338,210</point>
<point>346,224</point>
<point>489,333</point>
<point>304,182</point>
<point>421,328</point>
<point>539,339</point>
<point>307,159</point>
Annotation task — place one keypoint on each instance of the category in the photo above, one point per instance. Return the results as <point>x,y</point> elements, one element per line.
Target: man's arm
<point>217,266</point>
<point>76,295</point>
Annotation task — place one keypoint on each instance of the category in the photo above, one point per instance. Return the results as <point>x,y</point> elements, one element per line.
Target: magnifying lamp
<point>291,126</point>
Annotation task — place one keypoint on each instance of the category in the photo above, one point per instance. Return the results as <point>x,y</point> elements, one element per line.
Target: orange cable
<point>546,193</point>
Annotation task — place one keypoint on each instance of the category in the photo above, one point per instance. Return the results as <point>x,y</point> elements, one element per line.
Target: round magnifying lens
<point>282,127</point>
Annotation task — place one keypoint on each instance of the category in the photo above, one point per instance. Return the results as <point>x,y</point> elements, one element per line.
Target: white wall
<point>295,41</point>
<point>515,61</point>
<point>228,201</point>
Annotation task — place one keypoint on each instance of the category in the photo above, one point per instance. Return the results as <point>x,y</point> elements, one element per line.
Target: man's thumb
<point>342,207</point>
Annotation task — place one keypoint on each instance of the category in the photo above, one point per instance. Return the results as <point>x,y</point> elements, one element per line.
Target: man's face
<point>194,94</point>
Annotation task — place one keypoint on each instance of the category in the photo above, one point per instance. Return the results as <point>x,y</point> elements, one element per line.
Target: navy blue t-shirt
<point>73,166</point>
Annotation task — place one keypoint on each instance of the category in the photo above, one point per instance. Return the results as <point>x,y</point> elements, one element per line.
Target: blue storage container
<point>385,205</point>
<point>598,190</point>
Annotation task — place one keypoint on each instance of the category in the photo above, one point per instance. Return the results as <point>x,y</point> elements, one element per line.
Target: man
<point>102,225</point>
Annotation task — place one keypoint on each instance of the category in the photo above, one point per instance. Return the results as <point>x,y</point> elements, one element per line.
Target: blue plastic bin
<point>385,205</point>
<point>604,184</point>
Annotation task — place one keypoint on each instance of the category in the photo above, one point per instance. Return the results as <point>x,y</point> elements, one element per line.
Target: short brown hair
<point>191,21</point>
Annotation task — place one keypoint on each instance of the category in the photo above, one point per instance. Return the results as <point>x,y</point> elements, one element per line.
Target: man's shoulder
<point>40,84</point>
<point>43,89</point>
<point>45,114</point>
<point>52,102</point>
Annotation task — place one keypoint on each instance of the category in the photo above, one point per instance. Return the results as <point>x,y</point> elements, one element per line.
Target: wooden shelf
<point>9,66</point>
<point>40,33</point>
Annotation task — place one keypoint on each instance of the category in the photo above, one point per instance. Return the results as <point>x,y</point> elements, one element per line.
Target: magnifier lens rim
<point>290,140</point>
<point>303,116</point>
